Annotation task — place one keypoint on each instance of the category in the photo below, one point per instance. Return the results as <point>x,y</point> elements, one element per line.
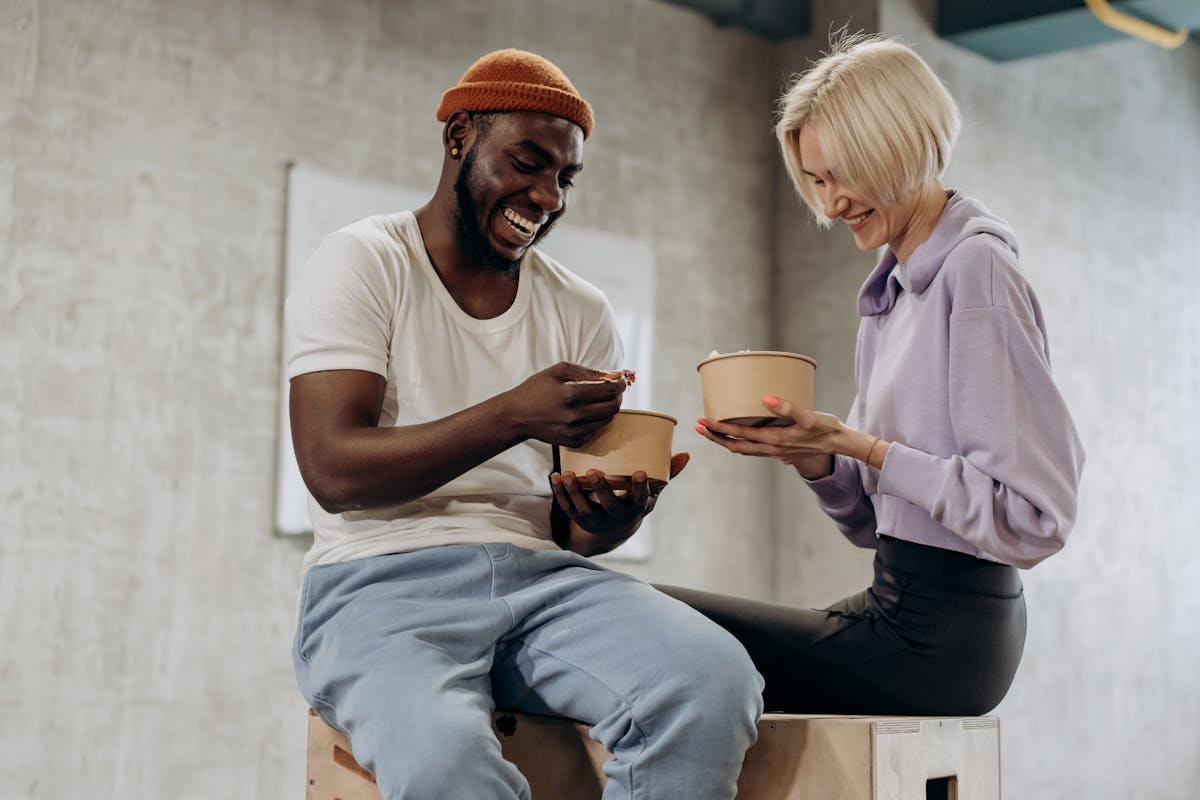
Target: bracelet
<point>871,449</point>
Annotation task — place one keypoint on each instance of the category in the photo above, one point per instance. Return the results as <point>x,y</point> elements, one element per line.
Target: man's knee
<point>450,755</point>
<point>713,679</point>
<point>727,672</point>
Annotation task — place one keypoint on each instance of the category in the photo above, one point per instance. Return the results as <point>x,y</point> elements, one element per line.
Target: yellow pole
<point>1127,23</point>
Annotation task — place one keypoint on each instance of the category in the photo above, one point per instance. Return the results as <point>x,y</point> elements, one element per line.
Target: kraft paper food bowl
<point>734,384</point>
<point>633,440</point>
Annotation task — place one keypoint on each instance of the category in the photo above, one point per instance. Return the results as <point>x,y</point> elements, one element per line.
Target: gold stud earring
<point>454,152</point>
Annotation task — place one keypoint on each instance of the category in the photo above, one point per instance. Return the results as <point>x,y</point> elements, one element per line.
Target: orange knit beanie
<point>514,80</point>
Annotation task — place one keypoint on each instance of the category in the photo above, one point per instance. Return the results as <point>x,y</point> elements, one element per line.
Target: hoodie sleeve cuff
<point>840,488</point>
<point>910,474</point>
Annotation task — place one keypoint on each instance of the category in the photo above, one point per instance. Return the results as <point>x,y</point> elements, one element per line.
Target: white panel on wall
<point>318,204</point>
<point>622,267</point>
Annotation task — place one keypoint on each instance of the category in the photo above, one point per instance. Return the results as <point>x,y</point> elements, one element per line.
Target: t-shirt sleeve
<point>337,317</point>
<point>1011,489</point>
<point>603,349</point>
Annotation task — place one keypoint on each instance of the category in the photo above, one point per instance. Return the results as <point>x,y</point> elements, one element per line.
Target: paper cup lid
<point>745,353</point>
<point>648,414</point>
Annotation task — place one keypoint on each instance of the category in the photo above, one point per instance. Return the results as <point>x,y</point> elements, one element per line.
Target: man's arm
<point>349,463</point>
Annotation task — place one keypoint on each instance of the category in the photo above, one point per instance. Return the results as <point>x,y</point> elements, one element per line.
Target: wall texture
<point>147,610</point>
<point>143,143</point>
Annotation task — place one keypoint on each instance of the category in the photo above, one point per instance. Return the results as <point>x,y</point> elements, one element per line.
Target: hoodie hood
<point>962,218</point>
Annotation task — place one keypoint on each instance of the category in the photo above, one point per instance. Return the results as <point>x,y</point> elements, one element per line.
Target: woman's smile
<point>856,223</point>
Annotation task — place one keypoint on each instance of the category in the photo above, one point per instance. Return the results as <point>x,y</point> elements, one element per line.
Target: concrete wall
<point>1093,156</point>
<point>144,644</point>
<point>147,608</point>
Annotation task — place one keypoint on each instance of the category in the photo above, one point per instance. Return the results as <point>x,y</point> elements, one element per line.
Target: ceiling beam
<point>771,19</point>
<point>1025,28</point>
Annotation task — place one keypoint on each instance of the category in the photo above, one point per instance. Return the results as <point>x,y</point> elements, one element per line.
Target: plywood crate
<point>814,757</point>
<point>556,756</point>
<point>820,757</point>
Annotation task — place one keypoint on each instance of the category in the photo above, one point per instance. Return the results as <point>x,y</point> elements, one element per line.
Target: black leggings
<point>937,633</point>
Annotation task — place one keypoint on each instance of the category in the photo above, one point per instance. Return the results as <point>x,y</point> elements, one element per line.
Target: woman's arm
<point>823,450</point>
<point>1011,489</point>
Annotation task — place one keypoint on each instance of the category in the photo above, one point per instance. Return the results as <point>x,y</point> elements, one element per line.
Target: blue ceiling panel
<point>1001,30</point>
<point>1011,30</point>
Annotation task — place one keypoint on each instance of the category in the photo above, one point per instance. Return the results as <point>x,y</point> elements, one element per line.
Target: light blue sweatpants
<point>409,654</point>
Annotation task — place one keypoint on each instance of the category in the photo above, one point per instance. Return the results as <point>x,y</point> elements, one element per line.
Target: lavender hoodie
<point>952,367</point>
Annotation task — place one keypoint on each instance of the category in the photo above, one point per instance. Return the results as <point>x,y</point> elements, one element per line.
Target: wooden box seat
<point>816,757</point>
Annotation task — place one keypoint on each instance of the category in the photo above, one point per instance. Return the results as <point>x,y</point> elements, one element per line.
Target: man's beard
<point>472,237</point>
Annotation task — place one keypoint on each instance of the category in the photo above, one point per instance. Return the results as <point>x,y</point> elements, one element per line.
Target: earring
<point>454,152</point>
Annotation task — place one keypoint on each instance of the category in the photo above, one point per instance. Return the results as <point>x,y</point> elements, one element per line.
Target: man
<point>435,357</point>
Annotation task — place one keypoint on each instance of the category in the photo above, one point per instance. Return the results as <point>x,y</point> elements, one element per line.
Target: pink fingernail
<point>771,401</point>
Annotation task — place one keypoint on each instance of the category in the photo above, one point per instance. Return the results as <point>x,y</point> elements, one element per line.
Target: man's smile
<point>525,228</point>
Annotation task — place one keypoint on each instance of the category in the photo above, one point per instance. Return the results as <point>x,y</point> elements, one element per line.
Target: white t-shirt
<point>369,299</point>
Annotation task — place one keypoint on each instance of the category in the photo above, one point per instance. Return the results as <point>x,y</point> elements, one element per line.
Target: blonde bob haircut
<point>885,122</point>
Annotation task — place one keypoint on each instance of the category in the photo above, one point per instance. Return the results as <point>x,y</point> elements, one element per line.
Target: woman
<point>958,461</point>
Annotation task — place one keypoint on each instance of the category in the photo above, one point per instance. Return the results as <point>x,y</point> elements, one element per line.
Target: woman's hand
<point>808,444</point>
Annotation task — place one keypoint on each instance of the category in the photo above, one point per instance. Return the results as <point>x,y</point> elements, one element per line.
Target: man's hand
<point>600,518</point>
<point>565,404</point>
